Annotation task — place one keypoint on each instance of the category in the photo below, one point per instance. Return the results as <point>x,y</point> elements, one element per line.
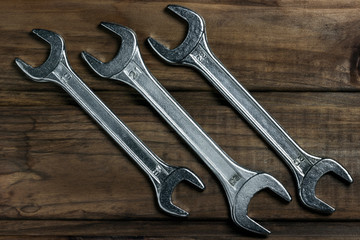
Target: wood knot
<point>354,66</point>
<point>30,208</point>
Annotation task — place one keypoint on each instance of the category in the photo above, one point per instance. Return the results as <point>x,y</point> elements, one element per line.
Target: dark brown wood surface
<point>62,177</point>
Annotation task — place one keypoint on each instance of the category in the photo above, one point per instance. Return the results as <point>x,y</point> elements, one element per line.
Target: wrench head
<point>253,185</point>
<point>166,190</point>
<point>308,185</point>
<point>57,46</point>
<point>196,28</point>
<point>123,56</point>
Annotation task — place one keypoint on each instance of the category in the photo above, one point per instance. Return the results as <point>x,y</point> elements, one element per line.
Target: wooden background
<point>62,177</point>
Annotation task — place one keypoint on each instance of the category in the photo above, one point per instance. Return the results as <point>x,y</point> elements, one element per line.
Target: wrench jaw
<point>196,30</point>
<point>239,208</point>
<point>43,72</point>
<point>308,185</point>
<point>124,55</point>
<point>167,187</point>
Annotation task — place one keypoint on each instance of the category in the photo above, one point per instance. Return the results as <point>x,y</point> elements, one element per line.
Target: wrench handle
<point>147,160</point>
<point>137,76</point>
<point>204,60</point>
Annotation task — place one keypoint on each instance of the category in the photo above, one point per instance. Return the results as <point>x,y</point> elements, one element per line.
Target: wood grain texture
<point>277,48</point>
<point>177,230</point>
<point>62,177</point>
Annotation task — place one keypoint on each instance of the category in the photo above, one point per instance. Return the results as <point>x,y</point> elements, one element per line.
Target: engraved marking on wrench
<point>134,71</point>
<point>157,170</point>
<point>66,77</point>
<point>234,179</point>
<point>299,160</point>
<point>200,54</point>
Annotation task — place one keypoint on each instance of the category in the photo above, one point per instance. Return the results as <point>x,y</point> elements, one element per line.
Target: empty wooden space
<point>62,177</point>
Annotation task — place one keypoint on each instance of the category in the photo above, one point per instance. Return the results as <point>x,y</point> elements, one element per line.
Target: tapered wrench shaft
<point>203,59</point>
<point>72,84</point>
<point>137,75</point>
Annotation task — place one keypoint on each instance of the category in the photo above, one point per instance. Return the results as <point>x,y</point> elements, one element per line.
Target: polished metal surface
<point>239,183</point>
<point>307,169</point>
<point>56,69</point>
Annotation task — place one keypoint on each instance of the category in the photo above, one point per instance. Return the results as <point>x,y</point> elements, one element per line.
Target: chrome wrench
<point>195,52</point>
<point>56,69</point>
<point>240,184</point>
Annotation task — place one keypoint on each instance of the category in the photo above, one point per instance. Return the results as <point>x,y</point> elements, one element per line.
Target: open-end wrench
<point>56,69</point>
<point>240,184</point>
<point>194,52</point>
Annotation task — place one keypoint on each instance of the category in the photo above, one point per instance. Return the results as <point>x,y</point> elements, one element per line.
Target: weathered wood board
<point>62,177</point>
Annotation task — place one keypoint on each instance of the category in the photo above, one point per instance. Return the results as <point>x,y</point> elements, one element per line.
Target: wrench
<point>56,69</point>
<point>195,52</point>
<point>240,184</point>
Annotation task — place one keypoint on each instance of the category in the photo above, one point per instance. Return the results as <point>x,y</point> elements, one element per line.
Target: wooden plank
<point>56,163</point>
<point>40,238</point>
<point>176,229</point>
<point>62,178</point>
<point>293,46</point>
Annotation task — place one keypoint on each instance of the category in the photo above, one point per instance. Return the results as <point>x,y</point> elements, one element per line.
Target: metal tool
<point>194,52</point>
<point>56,69</point>
<point>240,184</point>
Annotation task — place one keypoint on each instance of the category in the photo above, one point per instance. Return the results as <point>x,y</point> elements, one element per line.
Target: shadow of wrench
<point>240,184</point>
<point>194,52</point>
<point>56,69</point>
